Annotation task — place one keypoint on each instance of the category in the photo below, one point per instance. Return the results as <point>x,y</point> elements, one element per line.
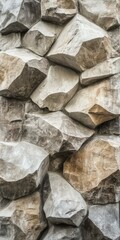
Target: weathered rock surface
<point>10,41</point>
<point>64,204</point>
<point>57,89</point>
<point>81,44</point>
<point>97,103</point>
<point>55,132</point>
<point>40,37</point>
<point>93,163</point>
<point>111,127</point>
<point>58,11</point>
<point>22,219</point>
<point>102,223</point>
<point>104,13</point>
<point>21,71</point>
<point>22,168</point>
<point>115,39</point>
<point>63,233</point>
<point>100,71</point>
<point>18,16</point>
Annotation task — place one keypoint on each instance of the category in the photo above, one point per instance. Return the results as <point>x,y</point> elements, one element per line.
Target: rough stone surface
<point>22,219</point>
<point>21,71</point>
<point>97,103</point>
<point>22,168</point>
<point>12,40</point>
<point>104,13</point>
<point>102,223</point>
<point>93,163</point>
<point>57,89</point>
<point>100,71</point>
<point>40,37</point>
<point>55,132</point>
<point>115,39</point>
<point>18,16</point>
<point>58,11</point>
<point>112,127</point>
<point>64,204</point>
<point>81,45</point>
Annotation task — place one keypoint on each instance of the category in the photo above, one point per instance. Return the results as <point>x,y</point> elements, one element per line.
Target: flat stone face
<point>93,163</point>
<point>57,89</point>
<point>64,204</point>
<point>100,71</point>
<point>22,168</point>
<point>55,132</point>
<point>22,219</point>
<point>104,13</point>
<point>97,103</point>
<point>115,39</point>
<point>81,45</point>
<point>58,11</point>
<point>40,37</point>
<point>18,16</point>
<point>102,223</point>
<point>21,71</point>
<point>12,40</point>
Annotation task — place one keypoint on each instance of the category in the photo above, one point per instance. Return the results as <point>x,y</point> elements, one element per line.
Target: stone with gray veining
<point>12,40</point>
<point>115,39</point>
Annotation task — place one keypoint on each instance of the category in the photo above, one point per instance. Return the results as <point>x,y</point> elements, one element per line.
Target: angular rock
<point>57,89</point>
<point>81,45</point>
<point>96,161</point>
<point>18,16</point>
<point>22,168</point>
<point>115,39</point>
<point>111,127</point>
<point>21,72</point>
<point>10,41</point>
<point>102,223</point>
<point>63,233</point>
<point>97,103</point>
<point>100,71</point>
<point>64,204</point>
<point>58,11</point>
<point>40,37</point>
<point>55,132</point>
<point>104,13</point>
<point>22,219</point>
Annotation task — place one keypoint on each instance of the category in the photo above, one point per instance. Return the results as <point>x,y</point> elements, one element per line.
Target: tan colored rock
<point>12,40</point>
<point>40,37</point>
<point>104,13</point>
<point>97,103</point>
<point>81,45</point>
<point>21,71</point>
<point>57,89</point>
<point>22,219</point>
<point>93,163</point>
<point>58,11</point>
<point>100,71</point>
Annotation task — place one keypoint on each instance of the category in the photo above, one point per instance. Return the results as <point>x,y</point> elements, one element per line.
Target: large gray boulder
<point>12,40</point>
<point>22,168</point>
<point>64,204</point>
<point>18,16</point>
<point>81,45</point>
<point>55,132</point>
<point>22,219</point>
<point>57,89</point>
<point>21,72</point>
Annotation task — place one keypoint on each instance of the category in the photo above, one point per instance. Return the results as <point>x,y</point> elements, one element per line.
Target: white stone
<point>12,40</point>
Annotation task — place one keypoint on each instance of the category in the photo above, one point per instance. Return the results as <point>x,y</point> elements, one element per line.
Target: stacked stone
<point>59,121</point>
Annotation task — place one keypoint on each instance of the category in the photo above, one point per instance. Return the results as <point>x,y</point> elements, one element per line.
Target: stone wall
<point>59,120</point>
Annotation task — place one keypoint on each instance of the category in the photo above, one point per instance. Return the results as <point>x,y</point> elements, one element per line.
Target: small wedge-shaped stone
<point>57,89</point>
<point>40,37</point>
<point>104,13</point>
<point>10,41</point>
<point>97,103</point>
<point>22,219</point>
<point>21,71</point>
<point>81,45</point>
<point>58,11</point>
<point>64,204</point>
<point>55,132</point>
<point>93,163</point>
<point>18,16</point>
<point>102,223</point>
<point>22,168</point>
<point>100,71</point>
